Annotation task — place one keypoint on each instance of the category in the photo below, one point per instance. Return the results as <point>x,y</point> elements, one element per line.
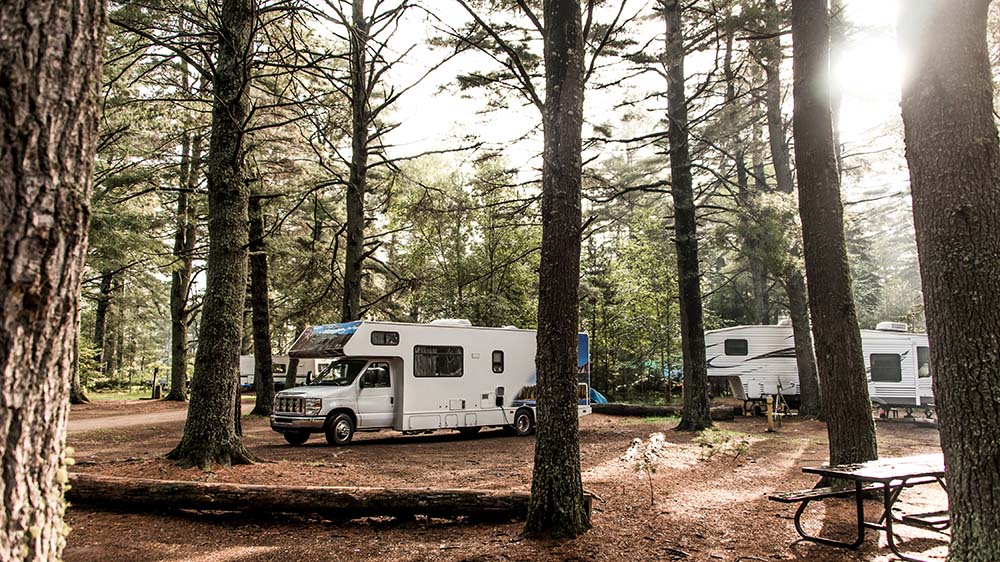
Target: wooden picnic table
<point>891,476</point>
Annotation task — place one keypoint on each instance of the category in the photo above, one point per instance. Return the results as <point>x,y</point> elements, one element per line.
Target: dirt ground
<point>709,495</point>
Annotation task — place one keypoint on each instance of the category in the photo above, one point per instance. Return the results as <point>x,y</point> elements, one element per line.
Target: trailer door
<point>376,397</point>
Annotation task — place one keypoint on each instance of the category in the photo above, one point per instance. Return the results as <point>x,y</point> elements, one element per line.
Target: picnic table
<point>890,476</point>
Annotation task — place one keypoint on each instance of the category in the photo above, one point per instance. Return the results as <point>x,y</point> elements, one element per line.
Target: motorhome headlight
<point>314,406</point>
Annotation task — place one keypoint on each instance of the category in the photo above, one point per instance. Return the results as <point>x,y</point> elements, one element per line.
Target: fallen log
<point>335,502</point>
<point>718,413</point>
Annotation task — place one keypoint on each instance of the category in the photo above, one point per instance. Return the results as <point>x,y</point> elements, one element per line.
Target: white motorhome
<point>306,370</point>
<point>415,378</point>
<point>759,361</point>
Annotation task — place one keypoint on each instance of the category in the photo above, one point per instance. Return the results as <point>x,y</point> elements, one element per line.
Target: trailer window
<point>924,362</point>
<point>385,338</point>
<point>437,361</point>
<point>736,347</point>
<point>497,361</point>
<point>886,367</point>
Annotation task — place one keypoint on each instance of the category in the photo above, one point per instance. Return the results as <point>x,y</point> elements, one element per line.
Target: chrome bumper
<point>283,423</point>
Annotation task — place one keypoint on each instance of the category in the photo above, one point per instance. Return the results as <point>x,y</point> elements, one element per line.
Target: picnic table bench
<point>891,477</point>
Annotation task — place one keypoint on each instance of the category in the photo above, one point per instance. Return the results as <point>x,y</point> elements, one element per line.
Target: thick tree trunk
<point>777,139</point>
<point>357,183</point>
<point>50,72</point>
<point>843,381</point>
<point>695,415</point>
<point>292,372</point>
<point>334,502</point>
<point>180,283</point>
<point>101,312</point>
<point>263,376</point>
<point>558,506</point>
<point>954,159</point>
<point>210,431</point>
<point>798,311</point>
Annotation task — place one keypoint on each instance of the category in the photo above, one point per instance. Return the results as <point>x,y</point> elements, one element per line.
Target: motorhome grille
<point>288,404</point>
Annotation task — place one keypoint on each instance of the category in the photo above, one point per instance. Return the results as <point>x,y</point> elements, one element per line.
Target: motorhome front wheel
<point>296,437</point>
<point>340,431</point>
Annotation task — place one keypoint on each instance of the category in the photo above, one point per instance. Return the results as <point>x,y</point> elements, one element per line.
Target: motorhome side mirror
<point>309,377</point>
<point>361,382</point>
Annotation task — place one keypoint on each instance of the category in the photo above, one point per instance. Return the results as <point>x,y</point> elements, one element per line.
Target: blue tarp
<point>597,397</point>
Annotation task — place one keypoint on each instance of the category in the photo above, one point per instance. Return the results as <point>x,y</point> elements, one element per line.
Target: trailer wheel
<point>296,437</point>
<point>340,430</point>
<point>524,422</point>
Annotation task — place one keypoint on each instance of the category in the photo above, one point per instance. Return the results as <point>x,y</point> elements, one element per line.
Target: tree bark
<point>50,72</point>
<point>263,376</point>
<point>210,430</point>
<point>357,183</point>
<point>777,139</point>
<point>798,311</point>
<point>695,416</point>
<point>185,237</point>
<point>843,381</point>
<point>292,372</point>
<point>954,159</point>
<point>558,507</point>
<point>76,392</point>
<point>335,502</point>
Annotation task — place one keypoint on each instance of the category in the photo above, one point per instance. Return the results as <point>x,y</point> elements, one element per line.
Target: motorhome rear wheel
<point>340,430</point>
<point>524,422</point>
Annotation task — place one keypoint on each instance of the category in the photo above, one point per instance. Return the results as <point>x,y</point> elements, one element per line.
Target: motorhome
<point>759,361</point>
<point>307,368</point>
<point>415,378</point>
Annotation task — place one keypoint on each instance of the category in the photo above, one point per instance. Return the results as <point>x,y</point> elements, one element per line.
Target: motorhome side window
<point>497,361</point>
<point>924,362</point>
<point>736,347</point>
<point>886,367</point>
<point>377,376</point>
<point>385,338</point>
<point>437,361</point>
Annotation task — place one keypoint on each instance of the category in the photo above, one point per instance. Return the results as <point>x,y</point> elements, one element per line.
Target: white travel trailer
<point>759,361</point>
<point>415,378</point>
<point>306,370</point>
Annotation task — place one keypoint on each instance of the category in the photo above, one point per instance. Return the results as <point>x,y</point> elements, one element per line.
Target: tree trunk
<point>76,392</point>
<point>209,433</point>
<point>558,507</point>
<point>263,376</point>
<point>180,283</point>
<point>334,502</point>
<point>954,158</point>
<point>695,415</point>
<point>777,140</point>
<point>113,332</point>
<point>50,71</point>
<point>101,317</point>
<point>292,372</point>
<point>798,310</point>
<point>843,381</point>
<point>357,183</point>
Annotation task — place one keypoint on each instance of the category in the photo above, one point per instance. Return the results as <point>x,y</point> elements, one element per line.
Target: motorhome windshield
<point>339,373</point>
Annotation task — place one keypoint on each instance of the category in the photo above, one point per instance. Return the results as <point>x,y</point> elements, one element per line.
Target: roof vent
<point>451,322</point>
<point>892,327</point>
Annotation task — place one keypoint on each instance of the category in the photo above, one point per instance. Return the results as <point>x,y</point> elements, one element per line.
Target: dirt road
<point>141,418</point>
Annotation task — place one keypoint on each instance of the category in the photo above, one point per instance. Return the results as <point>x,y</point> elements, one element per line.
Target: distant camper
<point>757,361</point>
<point>415,378</point>
<point>306,370</point>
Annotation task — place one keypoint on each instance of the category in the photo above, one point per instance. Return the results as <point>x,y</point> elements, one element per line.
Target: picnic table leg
<point>832,542</point>
<point>889,498</point>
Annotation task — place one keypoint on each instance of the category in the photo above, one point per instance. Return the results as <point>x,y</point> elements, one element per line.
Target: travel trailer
<point>415,378</point>
<point>759,361</point>
<point>306,370</point>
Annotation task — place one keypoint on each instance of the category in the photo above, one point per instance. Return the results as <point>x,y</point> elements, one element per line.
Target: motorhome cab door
<point>376,397</point>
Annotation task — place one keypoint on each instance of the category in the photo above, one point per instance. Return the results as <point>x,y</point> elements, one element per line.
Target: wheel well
<point>336,411</point>
<point>525,409</point>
